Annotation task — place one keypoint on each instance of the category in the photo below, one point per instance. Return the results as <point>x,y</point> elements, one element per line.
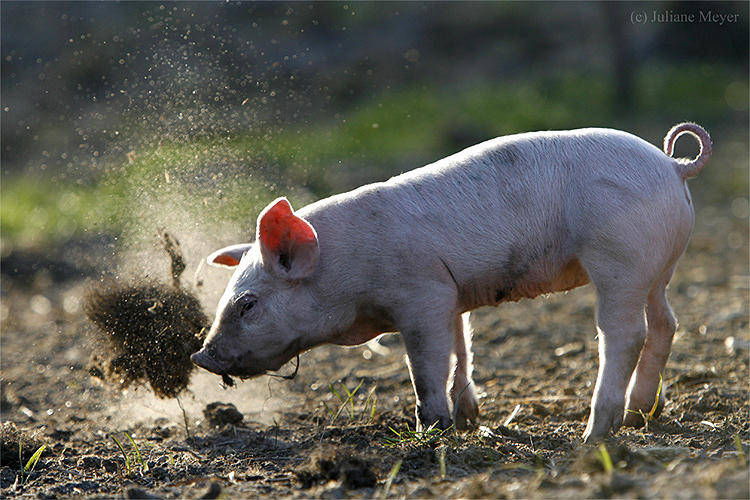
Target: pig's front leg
<point>463,392</point>
<point>427,327</point>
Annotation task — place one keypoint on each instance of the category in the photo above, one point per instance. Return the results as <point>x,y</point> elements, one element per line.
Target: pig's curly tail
<point>686,167</point>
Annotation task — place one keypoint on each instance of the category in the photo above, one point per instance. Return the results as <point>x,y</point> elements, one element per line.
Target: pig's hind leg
<point>621,330</point>
<point>645,384</point>
<point>463,392</point>
<point>622,287</point>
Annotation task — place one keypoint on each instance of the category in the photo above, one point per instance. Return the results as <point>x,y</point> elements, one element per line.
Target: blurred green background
<point>118,118</point>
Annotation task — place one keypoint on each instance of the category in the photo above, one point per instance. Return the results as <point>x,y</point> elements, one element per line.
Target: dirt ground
<point>535,364</point>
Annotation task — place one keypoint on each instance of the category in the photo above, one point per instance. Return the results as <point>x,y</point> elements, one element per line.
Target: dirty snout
<point>209,359</point>
<point>222,353</point>
<point>215,359</point>
<point>206,358</point>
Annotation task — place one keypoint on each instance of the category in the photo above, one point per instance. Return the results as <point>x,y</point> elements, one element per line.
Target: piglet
<point>510,218</point>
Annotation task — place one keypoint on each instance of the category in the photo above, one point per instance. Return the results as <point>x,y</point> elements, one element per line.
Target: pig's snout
<point>206,358</point>
<point>198,358</point>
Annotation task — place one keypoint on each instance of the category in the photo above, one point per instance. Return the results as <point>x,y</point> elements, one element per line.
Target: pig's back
<point>501,216</point>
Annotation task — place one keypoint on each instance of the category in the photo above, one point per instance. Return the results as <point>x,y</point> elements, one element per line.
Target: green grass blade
<point>441,460</point>
<point>341,408</point>
<point>343,401</point>
<point>740,451</point>
<point>127,460</point>
<point>656,401</point>
<point>31,464</point>
<point>351,398</point>
<point>605,459</point>
<point>352,393</point>
<point>138,453</point>
<point>333,390</point>
<point>328,408</point>
<point>367,403</point>
<point>391,476</point>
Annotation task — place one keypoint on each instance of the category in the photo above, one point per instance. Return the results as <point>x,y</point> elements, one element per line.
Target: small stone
<point>109,465</point>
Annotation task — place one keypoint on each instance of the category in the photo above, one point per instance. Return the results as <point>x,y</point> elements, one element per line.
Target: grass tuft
<point>425,438</point>
<point>144,465</point>
<point>138,458</point>
<point>363,416</point>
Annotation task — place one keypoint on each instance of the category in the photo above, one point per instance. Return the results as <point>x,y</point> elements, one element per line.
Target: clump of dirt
<point>151,330</point>
<point>16,446</point>
<point>336,464</point>
<point>219,414</point>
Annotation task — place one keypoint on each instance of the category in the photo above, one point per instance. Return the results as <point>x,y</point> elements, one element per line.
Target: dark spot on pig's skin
<point>513,270</point>
<point>501,294</point>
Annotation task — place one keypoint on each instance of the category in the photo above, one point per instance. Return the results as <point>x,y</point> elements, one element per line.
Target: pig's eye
<point>246,304</point>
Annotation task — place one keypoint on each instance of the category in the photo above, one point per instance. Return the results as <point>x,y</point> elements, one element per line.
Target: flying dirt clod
<point>148,329</point>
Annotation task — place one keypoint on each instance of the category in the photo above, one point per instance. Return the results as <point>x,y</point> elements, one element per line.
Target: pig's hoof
<point>425,422</point>
<point>591,438</point>
<point>599,428</point>
<point>466,416</point>
<point>463,423</point>
<point>639,415</point>
<point>634,419</point>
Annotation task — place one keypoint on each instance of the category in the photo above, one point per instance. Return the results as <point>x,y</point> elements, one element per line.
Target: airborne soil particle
<point>539,356</point>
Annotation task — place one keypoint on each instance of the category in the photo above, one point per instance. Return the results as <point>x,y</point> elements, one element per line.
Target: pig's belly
<point>491,293</point>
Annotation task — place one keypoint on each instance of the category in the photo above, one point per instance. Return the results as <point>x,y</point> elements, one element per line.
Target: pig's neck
<point>369,322</point>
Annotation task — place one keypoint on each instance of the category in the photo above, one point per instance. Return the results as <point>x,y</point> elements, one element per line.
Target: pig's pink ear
<point>287,243</point>
<point>229,256</point>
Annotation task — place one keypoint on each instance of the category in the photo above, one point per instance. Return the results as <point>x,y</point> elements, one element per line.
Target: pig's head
<point>268,312</point>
